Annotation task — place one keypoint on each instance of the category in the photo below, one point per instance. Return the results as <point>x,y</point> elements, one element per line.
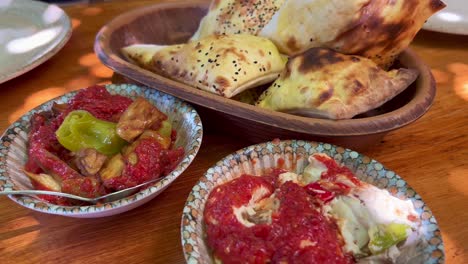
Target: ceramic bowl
<point>171,23</point>
<point>13,154</point>
<point>256,159</point>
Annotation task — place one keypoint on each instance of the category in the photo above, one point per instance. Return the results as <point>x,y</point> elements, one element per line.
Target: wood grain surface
<point>430,154</point>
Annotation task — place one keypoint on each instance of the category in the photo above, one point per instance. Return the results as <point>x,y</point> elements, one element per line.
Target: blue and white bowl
<point>14,141</point>
<point>257,159</point>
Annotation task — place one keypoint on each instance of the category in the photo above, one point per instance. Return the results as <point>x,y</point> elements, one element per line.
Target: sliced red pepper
<point>316,190</point>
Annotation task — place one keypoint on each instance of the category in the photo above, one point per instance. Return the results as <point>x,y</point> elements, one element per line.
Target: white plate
<point>30,33</point>
<point>452,19</point>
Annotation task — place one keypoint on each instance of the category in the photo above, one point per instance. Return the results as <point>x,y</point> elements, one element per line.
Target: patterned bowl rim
<point>50,208</point>
<point>432,231</point>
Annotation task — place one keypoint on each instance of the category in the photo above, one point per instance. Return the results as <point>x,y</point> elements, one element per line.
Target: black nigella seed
<point>236,73</point>
<point>210,60</point>
<point>199,51</point>
<point>203,65</point>
<point>217,55</point>
<point>255,62</point>
<point>198,60</point>
<point>217,64</point>
<point>206,54</point>
<point>199,81</point>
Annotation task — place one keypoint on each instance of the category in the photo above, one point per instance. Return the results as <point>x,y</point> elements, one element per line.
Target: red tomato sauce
<point>99,102</point>
<point>334,169</point>
<point>298,232</point>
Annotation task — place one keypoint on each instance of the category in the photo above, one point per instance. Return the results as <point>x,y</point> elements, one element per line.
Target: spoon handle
<point>108,197</point>
<point>40,192</point>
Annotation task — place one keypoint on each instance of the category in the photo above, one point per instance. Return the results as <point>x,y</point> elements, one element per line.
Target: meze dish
<point>324,214</point>
<point>374,30</point>
<point>98,143</point>
<point>305,202</point>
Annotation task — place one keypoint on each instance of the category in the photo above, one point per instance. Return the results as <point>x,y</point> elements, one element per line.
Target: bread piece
<point>325,84</point>
<point>224,65</point>
<point>376,29</point>
<point>227,17</point>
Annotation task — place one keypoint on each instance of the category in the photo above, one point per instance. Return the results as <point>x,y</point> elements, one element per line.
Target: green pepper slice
<point>80,129</point>
<point>383,237</point>
<point>166,129</point>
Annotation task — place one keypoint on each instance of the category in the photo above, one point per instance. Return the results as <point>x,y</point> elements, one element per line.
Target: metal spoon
<point>103,199</point>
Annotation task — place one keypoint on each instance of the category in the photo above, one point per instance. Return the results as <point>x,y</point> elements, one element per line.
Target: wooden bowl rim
<point>410,112</point>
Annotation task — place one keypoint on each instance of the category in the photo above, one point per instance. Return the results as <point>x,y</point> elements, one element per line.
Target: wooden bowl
<point>171,23</point>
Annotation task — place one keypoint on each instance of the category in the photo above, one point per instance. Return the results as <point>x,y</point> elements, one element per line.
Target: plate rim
<point>45,54</point>
<point>436,24</point>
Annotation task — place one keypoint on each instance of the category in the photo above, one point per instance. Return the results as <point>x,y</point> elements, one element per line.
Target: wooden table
<point>430,154</point>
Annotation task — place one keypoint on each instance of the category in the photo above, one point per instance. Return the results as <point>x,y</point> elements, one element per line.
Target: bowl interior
<point>13,153</point>
<point>255,159</point>
<point>172,23</point>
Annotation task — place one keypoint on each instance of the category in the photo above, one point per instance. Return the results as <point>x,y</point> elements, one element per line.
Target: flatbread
<point>325,84</point>
<point>376,29</point>
<point>227,17</point>
<point>224,65</point>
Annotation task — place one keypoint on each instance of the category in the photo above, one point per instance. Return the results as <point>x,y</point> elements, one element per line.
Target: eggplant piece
<point>113,168</point>
<point>44,181</point>
<point>89,161</point>
<point>138,117</point>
